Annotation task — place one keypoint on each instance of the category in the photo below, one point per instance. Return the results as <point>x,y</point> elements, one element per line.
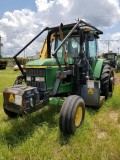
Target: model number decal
<point>90,84</point>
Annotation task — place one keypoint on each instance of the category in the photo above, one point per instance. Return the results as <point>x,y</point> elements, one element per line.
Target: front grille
<point>36,72</point>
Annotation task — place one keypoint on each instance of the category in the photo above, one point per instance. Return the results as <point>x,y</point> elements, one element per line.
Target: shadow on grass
<point>64,139</point>
<point>22,128</point>
<point>92,110</point>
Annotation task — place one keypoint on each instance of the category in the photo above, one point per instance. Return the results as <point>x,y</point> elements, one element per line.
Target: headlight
<point>28,78</point>
<point>40,79</point>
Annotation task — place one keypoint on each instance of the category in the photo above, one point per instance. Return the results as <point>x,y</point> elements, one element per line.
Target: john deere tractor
<point>68,67</point>
<point>113,60</point>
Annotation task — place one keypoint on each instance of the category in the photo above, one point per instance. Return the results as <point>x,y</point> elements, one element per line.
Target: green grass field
<point>37,136</point>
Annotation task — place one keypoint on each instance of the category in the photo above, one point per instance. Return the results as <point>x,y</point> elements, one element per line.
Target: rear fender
<point>98,68</point>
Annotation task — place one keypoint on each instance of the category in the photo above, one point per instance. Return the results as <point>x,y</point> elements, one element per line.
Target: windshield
<point>73,46</point>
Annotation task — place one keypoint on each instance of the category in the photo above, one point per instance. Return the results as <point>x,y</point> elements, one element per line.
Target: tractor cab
<point>78,46</point>
<point>81,41</point>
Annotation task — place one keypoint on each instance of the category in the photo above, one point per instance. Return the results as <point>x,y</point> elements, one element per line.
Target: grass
<point>37,136</point>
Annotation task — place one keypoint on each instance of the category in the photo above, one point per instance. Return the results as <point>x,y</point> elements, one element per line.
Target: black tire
<point>72,107</point>
<point>107,81</point>
<point>111,82</point>
<point>10,113</point>
<point>19,80</point>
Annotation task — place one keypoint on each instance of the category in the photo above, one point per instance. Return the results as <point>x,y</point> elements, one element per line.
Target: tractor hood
<point>44,62</point>
<point>47,62</point>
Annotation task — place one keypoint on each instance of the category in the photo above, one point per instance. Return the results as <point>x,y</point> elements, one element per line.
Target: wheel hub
<point>78,116</point>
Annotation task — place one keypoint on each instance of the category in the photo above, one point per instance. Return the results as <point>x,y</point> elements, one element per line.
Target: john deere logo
<point>11,98</point>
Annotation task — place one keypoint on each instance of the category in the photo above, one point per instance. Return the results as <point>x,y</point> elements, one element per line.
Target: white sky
<point>20,25</point>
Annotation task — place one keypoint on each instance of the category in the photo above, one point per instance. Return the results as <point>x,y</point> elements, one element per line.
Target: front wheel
<point>72,114</point>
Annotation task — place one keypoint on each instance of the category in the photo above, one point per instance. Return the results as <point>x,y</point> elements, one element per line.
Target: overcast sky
<point>21,20</point>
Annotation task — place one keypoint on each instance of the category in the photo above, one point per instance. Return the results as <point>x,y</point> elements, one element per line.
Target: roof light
<point>87,29</point>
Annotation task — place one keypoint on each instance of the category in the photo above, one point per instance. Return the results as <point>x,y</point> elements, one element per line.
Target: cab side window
<point>92,48</point>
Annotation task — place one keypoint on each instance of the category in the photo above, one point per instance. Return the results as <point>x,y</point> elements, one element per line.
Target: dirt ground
<point>117,80</point>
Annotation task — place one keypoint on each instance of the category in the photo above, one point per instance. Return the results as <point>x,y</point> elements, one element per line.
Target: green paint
<point>98,68</point>
<point>45,62</point>
<point>52,71</point>
<point>65,88</point>
<point>51,78</point>
<point>48,62</point>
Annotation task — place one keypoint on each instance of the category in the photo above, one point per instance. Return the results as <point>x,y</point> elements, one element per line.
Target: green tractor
<point>113,60</point>
<point>68,67</point>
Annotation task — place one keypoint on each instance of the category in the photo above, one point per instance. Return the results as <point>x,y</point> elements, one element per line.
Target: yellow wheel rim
<point>78,116</point>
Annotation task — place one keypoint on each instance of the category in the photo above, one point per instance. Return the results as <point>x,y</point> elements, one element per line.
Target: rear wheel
<point>107,81</point>
<point>111,82</point>
<point>72,114</point>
